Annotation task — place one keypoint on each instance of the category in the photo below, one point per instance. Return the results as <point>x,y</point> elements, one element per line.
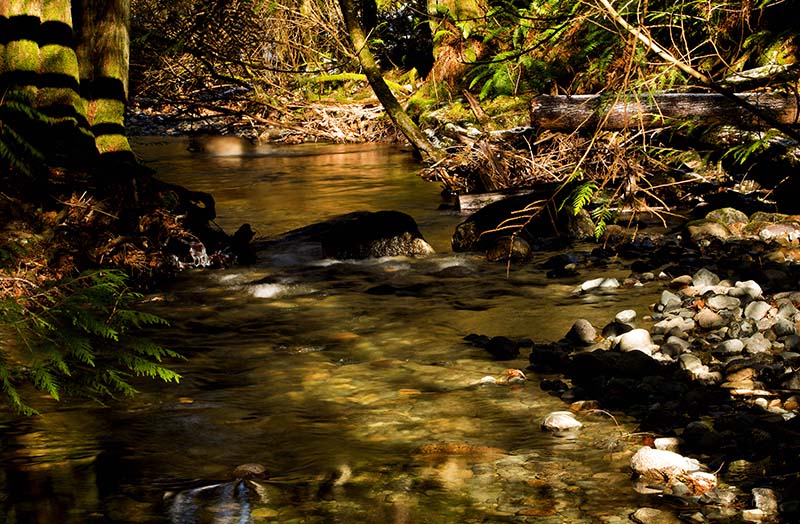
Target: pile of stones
<point>714,376</point>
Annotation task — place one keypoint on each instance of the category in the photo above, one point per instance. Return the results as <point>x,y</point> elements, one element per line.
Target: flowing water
<point>349,382</point>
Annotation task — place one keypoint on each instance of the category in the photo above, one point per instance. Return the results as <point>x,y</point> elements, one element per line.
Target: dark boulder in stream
<point>541,226</point>
<point>361,234</point>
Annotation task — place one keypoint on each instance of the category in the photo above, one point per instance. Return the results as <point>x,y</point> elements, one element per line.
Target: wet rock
<point>615,329</point>
<point>669,300</point>
<point>704,229</point>
<point>582,333</point>
<point>502,348</point>
<point>731,218</point>
<point>636,339</point>
<point>250,471</point>
<point>784,328</point>
<point>705,278</point>
<point>667,443</point>
<point>720,302</point>
<point>765,500</point>
<point>627,316</point>
<point>654,516</point>
<point>633,364</point>
<point>707,318</point>
<point>507,248</point>
<point>756,343</point>
<point>547,357</point>
<point>748,288</point>
<point>598,284</point>
<point>561,421</point>
<point>728,348</point>
<point>757,310</point>
<point>362,234</point>
<point>479,231</point>
<point>659,464</point>
<point>675,346</point>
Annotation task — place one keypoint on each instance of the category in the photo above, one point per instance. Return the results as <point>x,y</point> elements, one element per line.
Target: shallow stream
<point>349,382</point>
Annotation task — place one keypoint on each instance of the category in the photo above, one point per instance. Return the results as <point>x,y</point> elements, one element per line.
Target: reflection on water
<point>348,381</point>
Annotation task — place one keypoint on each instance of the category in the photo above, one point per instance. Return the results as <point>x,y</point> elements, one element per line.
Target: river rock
<point>598,284</point>
<point>636,339</point>
<point>614,329</point>
<point>669,300</point>
<point>692,364</point>
<point>250,471</point>
<point>667,325</point>
<point>784,328</point>
<point>757,343</point>
<point>561,421</point>
<point>675,346</point>
<point>360,234</point>
<point>511,248</point>
<point>707,318</point>
<point>659,464</point>
<point>731,218</point>
<point>654,516</point>
<point>704,278</point>
<point>728,348</point>
<point>582,332</point>
<point>502,348</point>
<point>704,229</point>
<point>480,230</point>
<point>719,302</point>
<point>748,288</point>
<point>757,310</point>
<point>627,316</point>
<point>765,500</point>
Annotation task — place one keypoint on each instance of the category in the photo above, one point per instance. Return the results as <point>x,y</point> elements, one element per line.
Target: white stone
<point>635,339</point>
<point>750,287</point>
<point>756,310</point>
<point>667,443</point>
<point>558,421</point>
<point>626,316</point>
<point>660,464</point>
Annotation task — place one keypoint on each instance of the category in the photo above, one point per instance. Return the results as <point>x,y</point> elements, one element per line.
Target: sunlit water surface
<point>331,385</point>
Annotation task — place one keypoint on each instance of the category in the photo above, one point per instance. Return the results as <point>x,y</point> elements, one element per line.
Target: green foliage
<point>746,151</point>
<point>16,113</point>
<point>80,337</point>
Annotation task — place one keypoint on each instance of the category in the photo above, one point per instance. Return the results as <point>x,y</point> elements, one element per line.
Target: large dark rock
<point>548,228</point>
<point>362,234</point>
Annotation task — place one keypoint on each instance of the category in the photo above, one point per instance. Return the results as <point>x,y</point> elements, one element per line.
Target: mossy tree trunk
<point>72,56</point>
<point>398,115</point>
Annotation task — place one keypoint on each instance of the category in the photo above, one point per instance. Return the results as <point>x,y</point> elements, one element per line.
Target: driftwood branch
<point>567,113</point>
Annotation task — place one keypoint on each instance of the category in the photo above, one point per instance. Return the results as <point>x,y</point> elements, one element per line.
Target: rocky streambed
<point>711,374</point>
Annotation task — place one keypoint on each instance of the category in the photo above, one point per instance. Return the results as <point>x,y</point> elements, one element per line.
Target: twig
<point>18,279</point>
<point>691,71</point>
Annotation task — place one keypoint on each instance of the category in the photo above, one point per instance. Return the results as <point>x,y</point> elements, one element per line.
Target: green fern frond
<point>583,195</point>
<point>601,216</point>
<point>81,336</point>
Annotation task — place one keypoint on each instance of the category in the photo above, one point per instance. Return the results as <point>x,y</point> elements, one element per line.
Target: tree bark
<point>72,56</point>
<point>567,113</point>
<point>372,71</point>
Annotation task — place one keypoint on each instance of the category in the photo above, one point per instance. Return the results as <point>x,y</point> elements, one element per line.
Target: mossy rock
<point>731,218</point>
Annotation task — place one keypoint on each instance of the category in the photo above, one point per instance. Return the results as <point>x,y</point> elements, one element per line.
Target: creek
<point>363,405</point>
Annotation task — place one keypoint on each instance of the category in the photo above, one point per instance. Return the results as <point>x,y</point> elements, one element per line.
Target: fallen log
<point>567,113</point>
<point>471,202</point>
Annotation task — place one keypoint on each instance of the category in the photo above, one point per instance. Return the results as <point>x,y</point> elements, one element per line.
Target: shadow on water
<point>348,381</point>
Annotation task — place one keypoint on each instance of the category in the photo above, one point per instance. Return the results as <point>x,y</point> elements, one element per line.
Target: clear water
<point>363,407</point>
